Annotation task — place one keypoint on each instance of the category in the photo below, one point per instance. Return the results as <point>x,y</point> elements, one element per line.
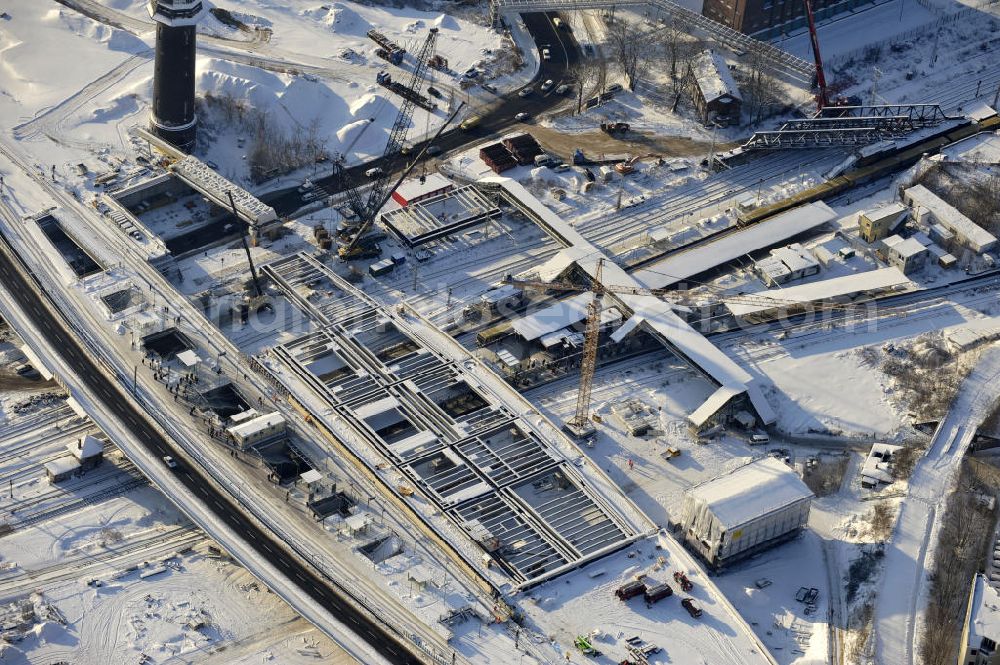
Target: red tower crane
<point>821,98</point>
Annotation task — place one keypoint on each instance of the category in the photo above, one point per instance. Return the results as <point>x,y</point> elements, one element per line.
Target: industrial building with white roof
<point>756,506</point>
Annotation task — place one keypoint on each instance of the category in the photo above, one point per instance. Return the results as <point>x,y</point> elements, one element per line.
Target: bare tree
<point>588,77</point>
<point>965,535</point>
<point>761,91</point>
<point>674,42</point>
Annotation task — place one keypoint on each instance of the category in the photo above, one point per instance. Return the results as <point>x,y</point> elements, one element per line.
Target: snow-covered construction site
<point>505,331</point>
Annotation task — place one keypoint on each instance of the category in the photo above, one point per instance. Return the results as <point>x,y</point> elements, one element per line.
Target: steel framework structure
<point>921,115</point>
<point>366,209</point>
<point>839,126</point>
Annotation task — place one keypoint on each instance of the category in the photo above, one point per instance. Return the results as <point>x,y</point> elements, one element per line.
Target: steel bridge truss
<point>848,126</point>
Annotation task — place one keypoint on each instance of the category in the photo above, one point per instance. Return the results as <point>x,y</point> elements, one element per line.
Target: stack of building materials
<point>524,148</point>
<point>636,417</point>
<point>497,157</point>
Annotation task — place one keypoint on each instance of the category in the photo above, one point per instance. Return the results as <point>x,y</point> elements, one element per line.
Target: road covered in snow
<point>903,591</point>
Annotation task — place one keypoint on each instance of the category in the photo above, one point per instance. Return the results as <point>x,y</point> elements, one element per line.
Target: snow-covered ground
<point>108,76</point>
<point>113,575</point>
<point>899,606</point>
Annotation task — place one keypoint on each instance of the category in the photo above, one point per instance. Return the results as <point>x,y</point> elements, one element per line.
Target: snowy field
<point>111,575</point>
<point>109,76</point>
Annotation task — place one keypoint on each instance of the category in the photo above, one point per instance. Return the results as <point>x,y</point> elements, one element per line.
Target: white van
<point>373,172</point>
<point>759,438</point>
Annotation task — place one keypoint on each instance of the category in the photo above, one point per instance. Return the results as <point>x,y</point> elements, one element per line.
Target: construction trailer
<point>420,189</point>
<point>759,505</point>
<point>257,430</point>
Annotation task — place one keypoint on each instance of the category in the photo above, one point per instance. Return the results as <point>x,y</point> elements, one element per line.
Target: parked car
<point>373,172</point>
<point>548,85</point>
<point>692,609</point>
<point>546,54</point>
<point>543,159</point>
<point>488,88</point>
<point>563,89</point>
<point>433,151</point>
<point>525,92</point>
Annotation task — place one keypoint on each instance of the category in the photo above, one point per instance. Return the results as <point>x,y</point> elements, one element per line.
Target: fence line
<point>909,36</point>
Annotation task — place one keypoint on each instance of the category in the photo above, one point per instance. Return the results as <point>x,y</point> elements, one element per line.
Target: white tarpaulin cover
<point>756,503</point>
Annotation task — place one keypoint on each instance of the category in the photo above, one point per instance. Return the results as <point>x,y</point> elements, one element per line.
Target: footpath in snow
<point>903,588</point>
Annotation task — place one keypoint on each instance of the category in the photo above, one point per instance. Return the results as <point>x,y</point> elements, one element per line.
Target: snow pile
<point>367,105</point>
<point>259,88</point>
<point>445,22</point>
<point>114,39</point>
<point>118,108</point>
<point>340,18</point>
